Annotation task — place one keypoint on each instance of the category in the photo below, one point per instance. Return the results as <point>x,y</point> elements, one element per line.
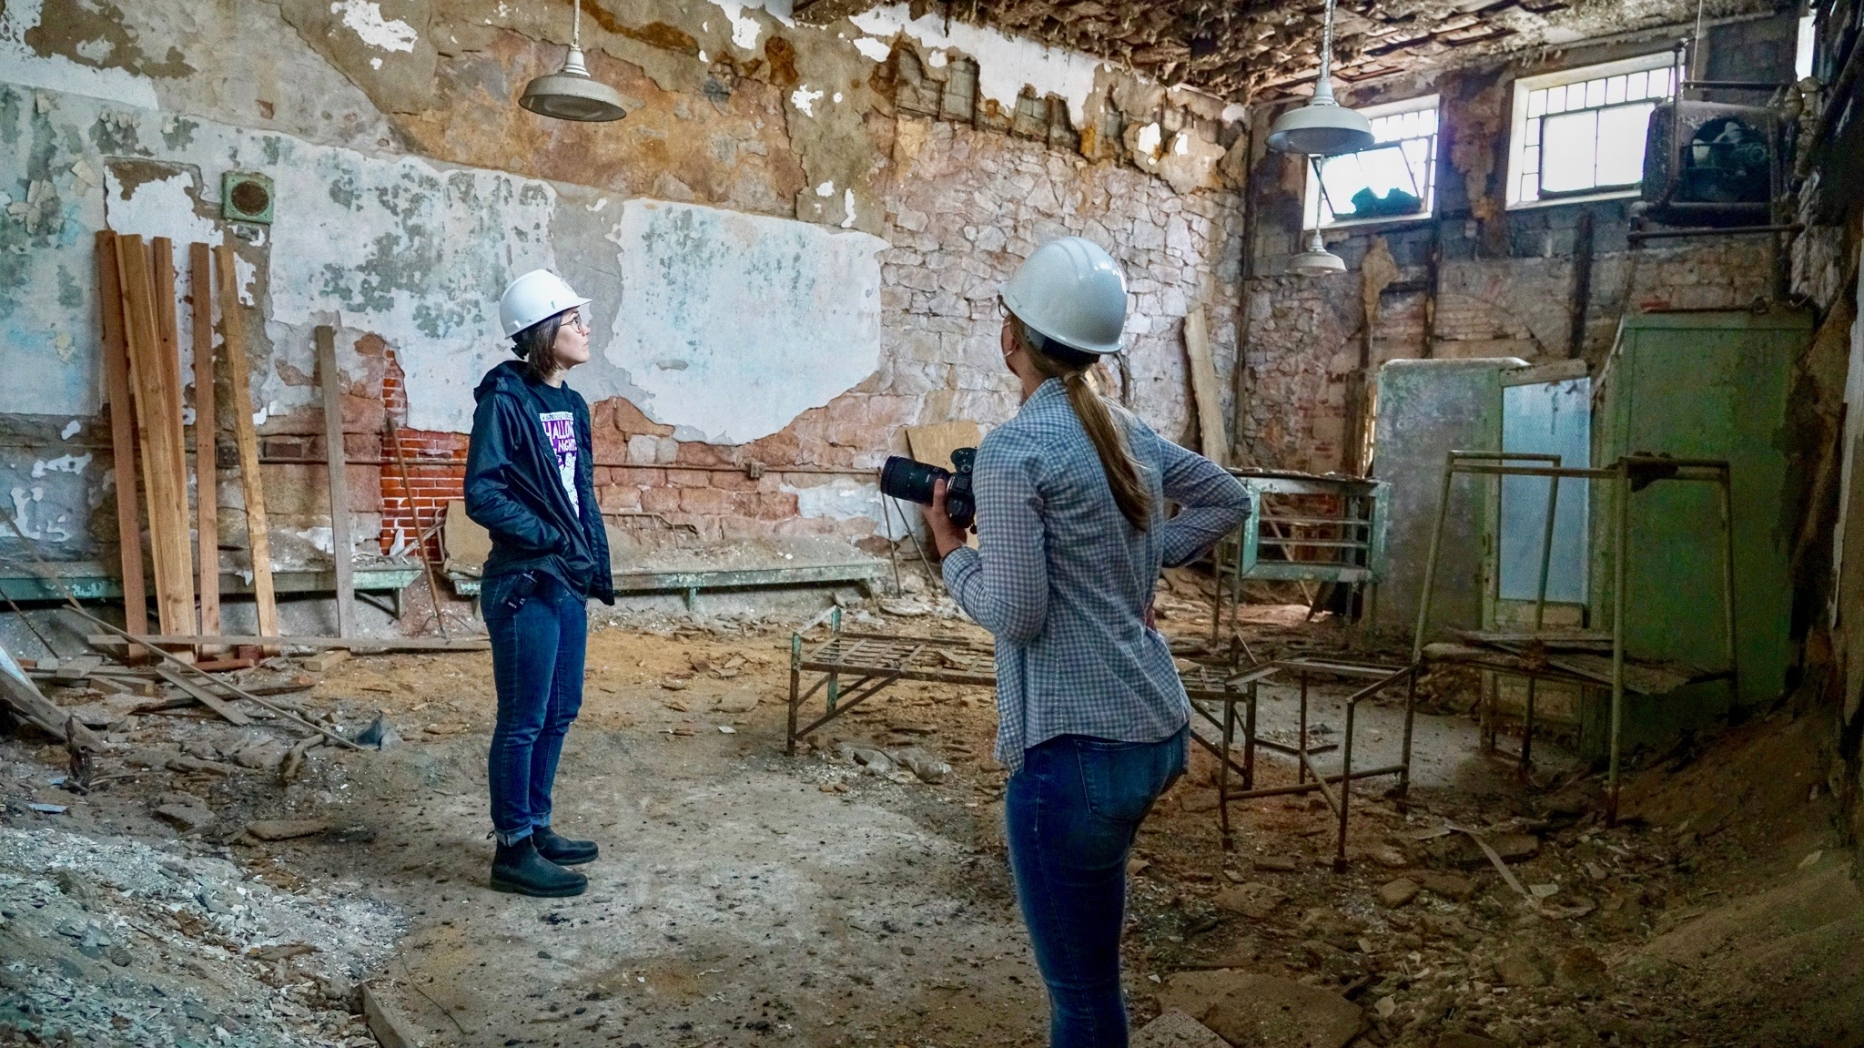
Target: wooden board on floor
<point>122,434</point>
<point>18,692</point>
<point>164,466</point>
<point>342,550</point>
<point>203,696</point>
<point>258,538</point>
<point>1204,389</point>
<point>206,474</point>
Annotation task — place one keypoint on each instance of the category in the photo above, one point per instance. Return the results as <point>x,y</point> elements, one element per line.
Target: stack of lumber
<point>143,370</point>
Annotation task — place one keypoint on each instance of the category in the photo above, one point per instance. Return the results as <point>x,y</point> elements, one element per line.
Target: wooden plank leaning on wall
<point>164,465</point>
<point>258,538</point>
<point>342,548</point>
<point>122,436</point>
<point>206,472</point>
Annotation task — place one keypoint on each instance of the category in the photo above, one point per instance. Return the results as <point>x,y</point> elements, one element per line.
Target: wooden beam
<point>122,434</point>
<point>206,473</point>
<point>257,531</point>
<point>342,550</point>
<point>1204,387</point>
<point>164,468</point>
<point>203,696</point>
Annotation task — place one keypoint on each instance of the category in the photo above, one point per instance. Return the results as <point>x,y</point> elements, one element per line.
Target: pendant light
<point>571,93</point>
<point>1322,127</point>
<point>1317,261</point>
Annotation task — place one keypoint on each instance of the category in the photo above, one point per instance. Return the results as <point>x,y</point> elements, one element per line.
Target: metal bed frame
<point>875,661</point>
<point>1629,474</point>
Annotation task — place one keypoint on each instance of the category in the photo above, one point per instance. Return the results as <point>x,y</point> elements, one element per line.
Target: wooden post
<point>342,551</point>
<point>258,538</point>
<point>122,436</point>
<point>164,467</point>
<point>1204,387</point>
<point>206,477</point>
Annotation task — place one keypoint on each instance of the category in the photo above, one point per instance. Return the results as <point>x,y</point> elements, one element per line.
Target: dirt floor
<point>214,895</point>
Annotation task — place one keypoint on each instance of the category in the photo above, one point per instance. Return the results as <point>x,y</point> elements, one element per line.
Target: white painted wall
<point>731,324</point>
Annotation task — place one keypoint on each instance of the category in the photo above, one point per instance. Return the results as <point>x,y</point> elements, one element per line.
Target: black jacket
<point>513,489</point>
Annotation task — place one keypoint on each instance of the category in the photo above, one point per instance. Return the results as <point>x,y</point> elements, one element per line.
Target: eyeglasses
<point>1003,310</point>
<point>576,319</point>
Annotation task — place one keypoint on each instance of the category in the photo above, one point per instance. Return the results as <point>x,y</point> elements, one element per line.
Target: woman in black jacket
<point>530,482</point>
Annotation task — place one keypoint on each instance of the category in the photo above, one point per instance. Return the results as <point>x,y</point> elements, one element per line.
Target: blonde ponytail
<point>1116,457</point>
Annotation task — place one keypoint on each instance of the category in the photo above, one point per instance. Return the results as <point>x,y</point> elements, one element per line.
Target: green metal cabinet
<point>1702,385</point>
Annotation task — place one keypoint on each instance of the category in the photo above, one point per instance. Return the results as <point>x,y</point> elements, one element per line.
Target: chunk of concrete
<point>1263,1011</point>
<point>1254,900</point>
<point>1175,1029</point>
<point>1396,893</point>
<point>1447,885</point>
<point>185,817</point>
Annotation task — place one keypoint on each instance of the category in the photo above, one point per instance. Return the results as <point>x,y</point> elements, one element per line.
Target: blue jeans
<point>1072,813</point>
<point>539,632</point>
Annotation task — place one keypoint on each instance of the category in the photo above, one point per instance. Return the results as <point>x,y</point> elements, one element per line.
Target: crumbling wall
<point>893,169</point>
<point>1475,280</point>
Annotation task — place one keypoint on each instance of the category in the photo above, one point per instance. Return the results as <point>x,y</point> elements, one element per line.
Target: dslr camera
<point>909,481</point>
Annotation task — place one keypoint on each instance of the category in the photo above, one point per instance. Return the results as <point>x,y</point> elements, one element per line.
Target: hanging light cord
<point>1326,45</point>
<point>576,26</point>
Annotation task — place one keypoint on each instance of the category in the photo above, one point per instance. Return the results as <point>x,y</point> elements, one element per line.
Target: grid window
<point>1393,179</point>
<point>1583,135</point>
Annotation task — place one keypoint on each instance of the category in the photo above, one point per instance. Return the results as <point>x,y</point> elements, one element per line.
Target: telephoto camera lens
<point>910,481</point>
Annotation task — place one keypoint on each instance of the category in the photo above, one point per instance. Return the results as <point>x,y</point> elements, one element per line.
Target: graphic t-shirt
<point>560,427</point>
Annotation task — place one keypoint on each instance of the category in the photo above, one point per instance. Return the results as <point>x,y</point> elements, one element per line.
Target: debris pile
<point>110,941</point>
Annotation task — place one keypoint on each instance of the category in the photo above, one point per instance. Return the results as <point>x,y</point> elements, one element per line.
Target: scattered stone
<point>1263,1011</point>
<point>48,809</point>
<point>389,1027</point>
<point>1277,863</point>
<point>1448,885</point>
<point>737,702</point>
<point>1396,893</point>
<point>1389,857</point>
<point>379,734</point>
<point>905,607</point>
<point>99,715</point>
<point>1582,971</point>
<point>185,817</point>
<point>285,829</point>
<point>261,755</point>
<point>1175,1029</point>
<point>675,684</point>
<point>1255,901</point>
<point>1518,967</point>
<point>927,766</point>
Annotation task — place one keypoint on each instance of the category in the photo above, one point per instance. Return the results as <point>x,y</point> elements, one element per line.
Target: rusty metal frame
<point>1621,474</point>
<point>1335,788</point>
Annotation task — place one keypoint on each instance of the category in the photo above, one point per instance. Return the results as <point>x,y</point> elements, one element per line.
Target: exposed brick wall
<point>436,471</point>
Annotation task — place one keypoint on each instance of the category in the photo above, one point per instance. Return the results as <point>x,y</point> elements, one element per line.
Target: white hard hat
<point>1073,292</point>
<point>535,296</point>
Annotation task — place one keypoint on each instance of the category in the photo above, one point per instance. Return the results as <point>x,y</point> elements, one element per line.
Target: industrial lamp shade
<point>572,94</point>
<point>1322,127</point>
<point>1317,261</point>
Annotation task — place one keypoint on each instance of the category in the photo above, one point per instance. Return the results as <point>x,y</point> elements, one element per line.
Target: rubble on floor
<point>110,941</point>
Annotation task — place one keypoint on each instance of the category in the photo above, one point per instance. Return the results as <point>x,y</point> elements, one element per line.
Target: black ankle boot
<point>562,850</point>
<point>518,868</point>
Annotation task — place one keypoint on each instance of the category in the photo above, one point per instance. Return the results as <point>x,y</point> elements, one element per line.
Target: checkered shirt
<point>1063,581</point>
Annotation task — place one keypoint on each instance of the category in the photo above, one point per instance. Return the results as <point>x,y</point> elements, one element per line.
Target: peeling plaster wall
<point>835,282</point>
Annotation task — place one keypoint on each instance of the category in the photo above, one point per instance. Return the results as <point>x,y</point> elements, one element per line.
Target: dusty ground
<point>746,897</point>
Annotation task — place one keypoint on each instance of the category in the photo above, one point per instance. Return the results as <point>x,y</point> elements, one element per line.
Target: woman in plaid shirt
<point>1093,720</point>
